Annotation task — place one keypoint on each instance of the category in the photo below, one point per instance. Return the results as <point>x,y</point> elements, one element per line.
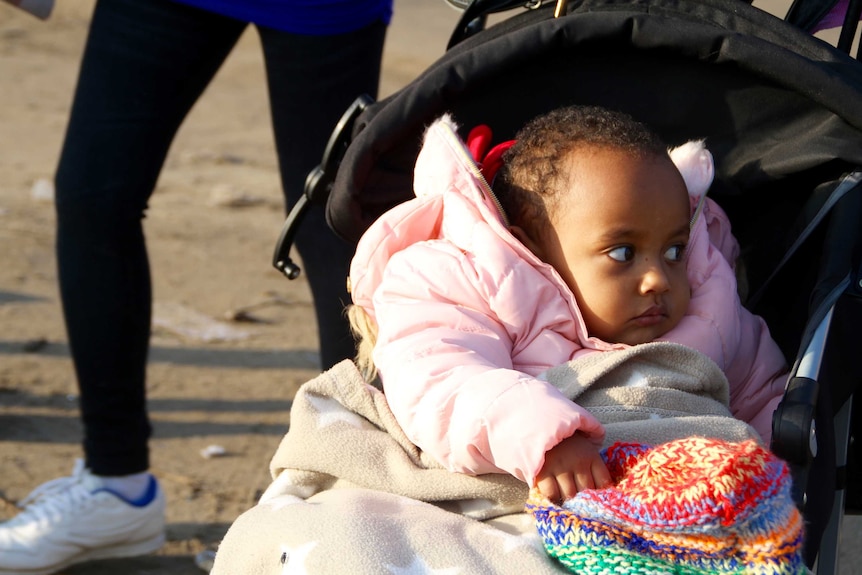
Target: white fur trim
<point>696,165</point>
<point>445,120</point>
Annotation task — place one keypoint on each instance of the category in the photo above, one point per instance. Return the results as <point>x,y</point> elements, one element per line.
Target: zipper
<point>484,186</point>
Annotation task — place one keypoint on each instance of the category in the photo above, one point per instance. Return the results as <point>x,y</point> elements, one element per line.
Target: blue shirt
<point>312,17</point>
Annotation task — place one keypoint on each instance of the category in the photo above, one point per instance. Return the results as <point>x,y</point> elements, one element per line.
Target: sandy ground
<point>209,259</point>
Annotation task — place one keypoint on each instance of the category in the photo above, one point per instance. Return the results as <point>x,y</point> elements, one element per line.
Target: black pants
<point>145,64</point>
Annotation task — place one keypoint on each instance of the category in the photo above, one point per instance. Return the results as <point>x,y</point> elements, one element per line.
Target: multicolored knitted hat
<point>689,507</point>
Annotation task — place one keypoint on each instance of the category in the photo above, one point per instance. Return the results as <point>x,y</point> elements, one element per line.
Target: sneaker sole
<point>113,552</point>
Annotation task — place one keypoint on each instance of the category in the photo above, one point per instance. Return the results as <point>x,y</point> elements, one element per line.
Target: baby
<point>592,240</point>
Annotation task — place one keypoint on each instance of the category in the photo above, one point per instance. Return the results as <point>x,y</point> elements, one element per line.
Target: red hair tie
<point>489,163</point>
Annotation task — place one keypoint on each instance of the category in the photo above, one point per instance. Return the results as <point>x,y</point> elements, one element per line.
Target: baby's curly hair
<point>531,183</point>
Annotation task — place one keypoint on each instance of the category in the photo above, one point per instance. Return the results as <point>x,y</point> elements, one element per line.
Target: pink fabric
<point>469,319</point>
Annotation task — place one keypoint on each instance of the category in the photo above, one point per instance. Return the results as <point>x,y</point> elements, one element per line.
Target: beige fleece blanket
<point>652,393</point>
<point>351,494</point>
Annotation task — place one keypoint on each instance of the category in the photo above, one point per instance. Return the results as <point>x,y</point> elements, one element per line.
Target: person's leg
<point>145,64</point>
<point>312,81</point>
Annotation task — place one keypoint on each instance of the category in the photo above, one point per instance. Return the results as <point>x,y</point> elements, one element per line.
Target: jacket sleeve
<point>753,363</point>
<point>445,359</point>
<point>757,374</point>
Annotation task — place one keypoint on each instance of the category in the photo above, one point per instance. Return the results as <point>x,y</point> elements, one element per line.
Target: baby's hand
<point>571,466</point>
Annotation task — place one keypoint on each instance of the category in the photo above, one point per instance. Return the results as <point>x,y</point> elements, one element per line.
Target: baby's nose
<point>655,279</point>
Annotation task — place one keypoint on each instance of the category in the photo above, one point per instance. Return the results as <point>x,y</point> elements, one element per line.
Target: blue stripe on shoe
<point>143,500</point>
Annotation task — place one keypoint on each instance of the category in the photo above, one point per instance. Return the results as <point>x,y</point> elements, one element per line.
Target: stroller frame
<point>813,427</point>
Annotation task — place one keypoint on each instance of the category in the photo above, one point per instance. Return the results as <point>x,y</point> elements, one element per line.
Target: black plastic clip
<point>318,185</point>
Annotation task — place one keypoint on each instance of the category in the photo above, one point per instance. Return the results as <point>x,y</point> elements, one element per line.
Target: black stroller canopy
<point>772,101</point>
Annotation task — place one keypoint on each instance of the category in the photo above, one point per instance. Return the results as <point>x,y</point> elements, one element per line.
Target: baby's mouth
<point>652,316</point>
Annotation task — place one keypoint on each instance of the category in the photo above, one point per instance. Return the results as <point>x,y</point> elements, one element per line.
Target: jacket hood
<point>445,165</point>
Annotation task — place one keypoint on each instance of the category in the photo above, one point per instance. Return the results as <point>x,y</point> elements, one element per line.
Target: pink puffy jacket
<point>468,318</point>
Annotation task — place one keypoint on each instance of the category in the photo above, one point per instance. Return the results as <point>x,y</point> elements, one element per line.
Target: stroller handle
<point>318,185</point>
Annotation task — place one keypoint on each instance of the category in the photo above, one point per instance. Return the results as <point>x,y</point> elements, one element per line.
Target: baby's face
<point>621,234</point>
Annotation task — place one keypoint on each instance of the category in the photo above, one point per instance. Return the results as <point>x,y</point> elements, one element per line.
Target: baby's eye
<point>675,253</point>
<point>622,254</point>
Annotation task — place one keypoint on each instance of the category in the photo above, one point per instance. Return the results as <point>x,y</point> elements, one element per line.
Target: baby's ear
<point>695,163</point>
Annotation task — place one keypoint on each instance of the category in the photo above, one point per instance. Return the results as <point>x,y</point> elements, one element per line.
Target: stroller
<point>781,112</point>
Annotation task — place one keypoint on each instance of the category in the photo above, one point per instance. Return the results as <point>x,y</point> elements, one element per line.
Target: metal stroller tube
<point>476,13</point>
<point>849,26</point>
<point>794,434</point>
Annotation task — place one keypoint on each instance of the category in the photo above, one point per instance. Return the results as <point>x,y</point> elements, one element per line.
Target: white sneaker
<point>75,519</point>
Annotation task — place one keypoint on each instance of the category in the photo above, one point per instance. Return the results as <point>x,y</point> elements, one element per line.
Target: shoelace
<point>54,495</point>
